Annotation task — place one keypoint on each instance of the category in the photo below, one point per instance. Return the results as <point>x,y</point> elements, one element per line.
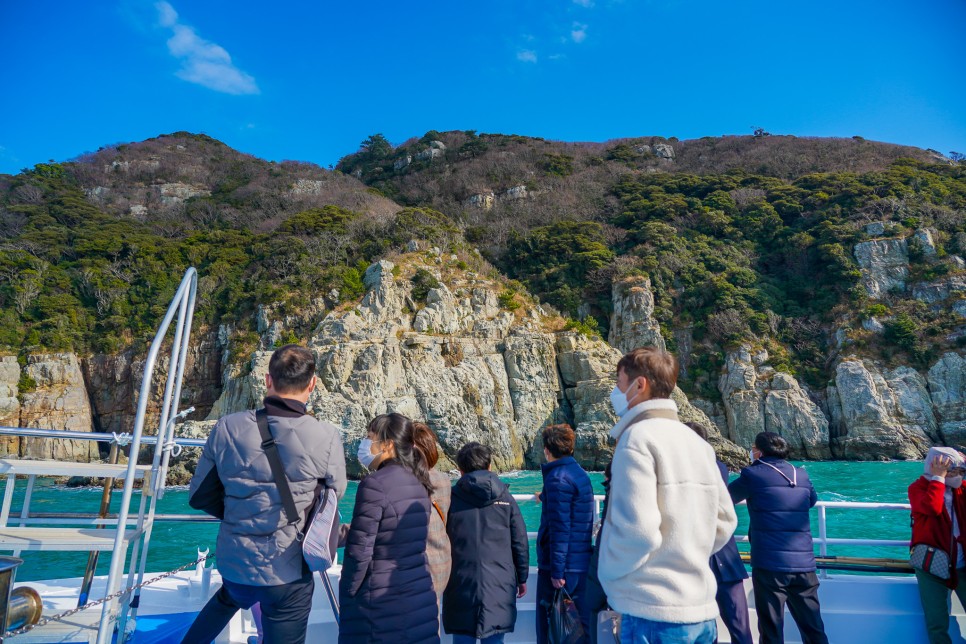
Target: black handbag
<point>565,626</point>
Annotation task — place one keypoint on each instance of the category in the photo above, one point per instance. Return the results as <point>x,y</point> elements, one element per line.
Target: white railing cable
<point>823,540</point>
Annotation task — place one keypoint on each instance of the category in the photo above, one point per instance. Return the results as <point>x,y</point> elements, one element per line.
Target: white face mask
<point>954,481</point>
<point>751,454</point>
<point>364,453</point>
<point>618,401</point>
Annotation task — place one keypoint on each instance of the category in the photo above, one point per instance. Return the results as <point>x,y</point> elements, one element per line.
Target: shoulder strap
<point>791,481</point>
<point>278,471</point>
<point>440,513</point>
<point>668,414</point>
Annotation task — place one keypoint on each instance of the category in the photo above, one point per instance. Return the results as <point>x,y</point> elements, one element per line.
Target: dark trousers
<point>800,591</point>
<point>935,598</point>
<point>285,611</point>
<point>733,605</point>
<point>594,596</point>
<point>576,585</point>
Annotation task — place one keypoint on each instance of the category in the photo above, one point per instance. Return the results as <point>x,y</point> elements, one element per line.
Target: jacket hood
<point>480,488</point>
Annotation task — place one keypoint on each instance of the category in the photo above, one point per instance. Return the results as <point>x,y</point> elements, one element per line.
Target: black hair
<point>400,431</point>
<point>473,457</point>
<point>771,444</point>
<point>698,429</point>
<point>291,368</point>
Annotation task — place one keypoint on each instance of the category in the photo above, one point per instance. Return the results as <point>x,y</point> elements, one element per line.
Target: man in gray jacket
<point>259,553</point>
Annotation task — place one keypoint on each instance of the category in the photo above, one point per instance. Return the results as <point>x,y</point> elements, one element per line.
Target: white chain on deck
<point>98,602</point>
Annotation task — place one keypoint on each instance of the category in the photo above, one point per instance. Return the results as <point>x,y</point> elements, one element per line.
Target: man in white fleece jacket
<point>667,513</point>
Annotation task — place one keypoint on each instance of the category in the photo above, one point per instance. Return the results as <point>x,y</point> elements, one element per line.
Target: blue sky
<point>310,80</point>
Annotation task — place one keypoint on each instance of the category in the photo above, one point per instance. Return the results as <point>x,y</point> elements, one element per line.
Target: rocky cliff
<point>470,367</point>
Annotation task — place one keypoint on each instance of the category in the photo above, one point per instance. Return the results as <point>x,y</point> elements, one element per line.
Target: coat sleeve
<point>928,500</point>
<point>558,495</point>
<point>727,520</point>
<point>336,465</point>
<point>812,495</point>
<point>366,517</point>
<point>632,529</point>
<point>519,542</point>
<point>207,492</point>
<point>738,489</point>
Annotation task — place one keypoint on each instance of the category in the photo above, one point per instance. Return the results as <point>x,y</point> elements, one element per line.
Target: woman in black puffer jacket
<point>386,591</point>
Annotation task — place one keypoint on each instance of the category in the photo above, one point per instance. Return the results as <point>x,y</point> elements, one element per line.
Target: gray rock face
<point>632,323</point>
<point>429,154</point>
<point>664,151</point>
<point>927,242</point>
<point>880,415</point>
<point>947,387</point>
<point>873,324</point>
<point>9,403</point>
<point>307,187</point>
<point>942,289</point>
<point>58,402</point>
<point>469,369</point>
<point>757,399</point>
<point>114,383</point>
<point>516,192</point>
<point>483,200</point>
<point>175,193</point>
<point>875,229</point>
<point>884,264</point>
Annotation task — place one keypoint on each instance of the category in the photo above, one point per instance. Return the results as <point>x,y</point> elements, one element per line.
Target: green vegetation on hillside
<point>741,257</point>
<point>73,277</point>
<point>744,239</point>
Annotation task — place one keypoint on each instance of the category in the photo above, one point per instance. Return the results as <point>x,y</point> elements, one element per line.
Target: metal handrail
<point>823,540</point>
<point>100,437</point>
<point>183,304</point>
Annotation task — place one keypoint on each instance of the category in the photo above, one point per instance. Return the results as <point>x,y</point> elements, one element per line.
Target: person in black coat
<point>491,555</point>
<point>595,598</point>
<point>386,592</point>
<point>779,497</point>
<point>730,573</point>
<point>564,541</point>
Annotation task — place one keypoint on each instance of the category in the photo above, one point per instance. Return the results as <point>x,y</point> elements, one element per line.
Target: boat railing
<point>822,540</point>
<point>178,317</point>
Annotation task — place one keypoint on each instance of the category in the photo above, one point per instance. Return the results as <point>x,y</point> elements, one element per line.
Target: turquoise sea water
<point>174,544</point>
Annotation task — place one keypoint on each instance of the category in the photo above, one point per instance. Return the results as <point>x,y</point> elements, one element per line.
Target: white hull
<point>856,609</point>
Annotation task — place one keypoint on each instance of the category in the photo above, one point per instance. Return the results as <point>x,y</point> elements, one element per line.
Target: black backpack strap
<point>278,471</point>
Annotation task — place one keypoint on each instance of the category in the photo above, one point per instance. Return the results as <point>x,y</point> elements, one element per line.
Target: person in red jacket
<point>939,520</point>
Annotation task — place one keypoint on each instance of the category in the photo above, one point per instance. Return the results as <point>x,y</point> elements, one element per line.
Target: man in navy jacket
<point>730,573</point>
<point>566,527</point>
<point>779,496</point>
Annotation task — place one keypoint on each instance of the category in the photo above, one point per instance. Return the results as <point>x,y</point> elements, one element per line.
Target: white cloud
<point>527,56</point>
<point>202,62</point>
<point>167,16</point>
<point>578,33</point>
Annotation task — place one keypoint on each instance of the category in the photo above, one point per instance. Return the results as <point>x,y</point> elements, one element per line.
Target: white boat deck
<point>856,609</point>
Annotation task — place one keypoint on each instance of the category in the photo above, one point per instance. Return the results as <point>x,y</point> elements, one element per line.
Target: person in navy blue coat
<point>564,541</point>
<point>779,496</point>
<point>730,573</point>
<point>386,591</point>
